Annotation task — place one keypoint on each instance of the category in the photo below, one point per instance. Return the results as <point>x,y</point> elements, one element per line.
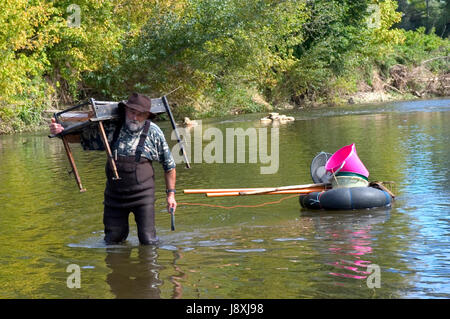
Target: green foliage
<point>29,28</point>
<point>221,53</point>
<point>419,46</point>
<point>429,14</point>
<point>338,42</point>
<point>206,44</point>
<point>417,49</point>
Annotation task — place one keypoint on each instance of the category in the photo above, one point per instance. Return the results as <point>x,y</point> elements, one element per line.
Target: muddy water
<point>276,250</point>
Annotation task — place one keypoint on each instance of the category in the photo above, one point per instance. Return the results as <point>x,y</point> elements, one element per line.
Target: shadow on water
<point>134,272</point>
<point>134,269</point>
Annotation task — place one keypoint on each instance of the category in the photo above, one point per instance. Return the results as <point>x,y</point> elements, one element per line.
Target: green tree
<point>339,43</point>
<point>28,29</point>
<point>431,14</point>
<point>211,47</point>
<point>222,53</point>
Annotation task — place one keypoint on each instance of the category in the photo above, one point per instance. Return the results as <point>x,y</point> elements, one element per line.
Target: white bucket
<point>347,181</point>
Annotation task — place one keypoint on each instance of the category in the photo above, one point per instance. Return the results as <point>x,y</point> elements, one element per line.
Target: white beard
<point>134,126</point>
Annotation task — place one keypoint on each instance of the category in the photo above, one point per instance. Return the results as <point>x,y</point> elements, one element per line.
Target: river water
<point>274,250</point>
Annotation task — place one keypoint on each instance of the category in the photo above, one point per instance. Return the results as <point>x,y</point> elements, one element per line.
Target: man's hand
<point>171,202</point>
<point>170,177</point>
<point>55,128</point>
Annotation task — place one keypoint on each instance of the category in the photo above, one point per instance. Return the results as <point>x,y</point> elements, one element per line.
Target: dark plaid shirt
<point>155,147</point>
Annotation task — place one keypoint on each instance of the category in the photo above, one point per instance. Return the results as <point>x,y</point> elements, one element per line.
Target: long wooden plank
<point>220,190</point>
<point>292,191</point>
<point>282,188</point>
<point>254,189</point>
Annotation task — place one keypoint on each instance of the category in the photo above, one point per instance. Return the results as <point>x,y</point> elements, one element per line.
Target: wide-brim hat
<point>138,102</point>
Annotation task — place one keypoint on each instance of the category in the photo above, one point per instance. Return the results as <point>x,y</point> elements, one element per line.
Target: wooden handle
<point>72,164</point>
<point>108,150</point>
<point>382,187</point>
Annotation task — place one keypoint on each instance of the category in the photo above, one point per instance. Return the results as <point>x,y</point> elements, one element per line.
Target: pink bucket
<point>346,160</point>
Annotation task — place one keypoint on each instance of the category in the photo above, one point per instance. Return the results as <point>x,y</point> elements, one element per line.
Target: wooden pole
<point>293,191</point>
<point>109,155</point>
<point>254,190</point>
<point>382,187</point>
<point>70,155</point>
<point>108,150</point>
<point>72,164</point>
<point>221,190</point>
<point>293,187</point>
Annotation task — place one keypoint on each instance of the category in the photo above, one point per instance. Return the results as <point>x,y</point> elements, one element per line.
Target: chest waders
<point>133,192</point>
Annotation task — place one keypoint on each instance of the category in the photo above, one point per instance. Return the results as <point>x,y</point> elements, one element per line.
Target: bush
<point>419,47</point>
<point>221,53</point>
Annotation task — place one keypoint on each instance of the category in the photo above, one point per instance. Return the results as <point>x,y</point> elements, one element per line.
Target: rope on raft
<point>374,184</point>
<point>236,206</point>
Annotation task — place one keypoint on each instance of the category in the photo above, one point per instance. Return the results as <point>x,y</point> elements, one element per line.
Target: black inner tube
<point>346,199</point>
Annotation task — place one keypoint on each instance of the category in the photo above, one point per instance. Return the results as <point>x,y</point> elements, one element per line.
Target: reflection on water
<point>271,251</point>
<point>346,240</point>
<point>133,276</point>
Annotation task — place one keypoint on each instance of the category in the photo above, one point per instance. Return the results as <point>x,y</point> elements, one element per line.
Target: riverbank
<point>362,98</point>
<point>403,84</point>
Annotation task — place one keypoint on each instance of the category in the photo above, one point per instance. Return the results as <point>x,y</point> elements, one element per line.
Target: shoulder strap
<point>142,138</point>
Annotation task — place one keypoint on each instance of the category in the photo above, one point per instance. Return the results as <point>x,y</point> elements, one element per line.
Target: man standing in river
<point>135,142</point>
